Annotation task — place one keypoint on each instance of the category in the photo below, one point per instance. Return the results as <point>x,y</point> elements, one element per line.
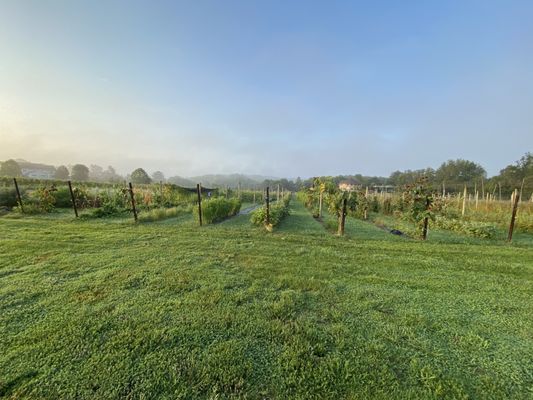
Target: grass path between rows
<point>95,309</point>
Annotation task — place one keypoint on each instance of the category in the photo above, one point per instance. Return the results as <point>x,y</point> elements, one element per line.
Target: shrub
<point>218,209</point>
<point>278,211</point>
<point>374,204</point>
<point>107,210</point>
<point>8,197</point>
<point>46,198</point>
<point>476,229</point>
<point>248,196</point>
<point>62,198</point>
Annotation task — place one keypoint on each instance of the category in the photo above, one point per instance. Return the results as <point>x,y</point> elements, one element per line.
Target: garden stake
<point>18,194</point>
<point>199,192</point>
<point>133,203</point>
<point>73,199</point>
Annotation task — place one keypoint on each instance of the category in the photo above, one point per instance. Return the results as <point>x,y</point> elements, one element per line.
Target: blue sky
<point>296,88</point>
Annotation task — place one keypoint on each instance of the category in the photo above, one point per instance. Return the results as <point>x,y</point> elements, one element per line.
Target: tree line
<point>82,173</point>
<point>450,176</point>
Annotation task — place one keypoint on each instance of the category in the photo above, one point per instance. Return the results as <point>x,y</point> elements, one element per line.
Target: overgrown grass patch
<point>158,214</point>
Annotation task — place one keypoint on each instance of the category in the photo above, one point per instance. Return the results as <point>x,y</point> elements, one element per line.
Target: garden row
<point>271,214</point>
<point>104,200</point>
<point>145,202</point>
<point>415,207</point>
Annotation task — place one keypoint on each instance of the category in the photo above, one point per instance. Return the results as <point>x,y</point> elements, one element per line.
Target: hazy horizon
<point>274,89</point>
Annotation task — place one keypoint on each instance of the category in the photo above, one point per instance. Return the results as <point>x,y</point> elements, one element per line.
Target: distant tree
<point>79,173</point>
<point>178,180</point>
<point>158,176</point>
<point>61,173</point>
<point>10,168</point>
<point>110,175</point>
<point>140,176</point>
<point>96,173</point>
<point>517,175</point>
<point>399,178</point>
<point>459,172</point>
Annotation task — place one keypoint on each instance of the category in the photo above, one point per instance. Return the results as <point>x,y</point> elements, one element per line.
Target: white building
<point>37,171</point>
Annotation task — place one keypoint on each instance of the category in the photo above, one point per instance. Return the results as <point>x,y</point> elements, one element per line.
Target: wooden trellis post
<point>464,203</point>
<point>267,199</point>
<point>133,202</point>
<point>426,221</point>
<point>73,199</point>
<point>320,200</point>
<point>18,194</point>
<point>199,192</point>
<point>342,217</point>
<point>513,215</point>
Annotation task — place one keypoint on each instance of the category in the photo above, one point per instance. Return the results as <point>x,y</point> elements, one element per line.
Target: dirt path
<point>248,210</point>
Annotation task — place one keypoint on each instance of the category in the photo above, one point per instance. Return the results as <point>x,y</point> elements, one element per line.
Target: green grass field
<point>95,309</point>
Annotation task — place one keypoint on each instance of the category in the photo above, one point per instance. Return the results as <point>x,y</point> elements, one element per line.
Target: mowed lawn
<point>109,309</point>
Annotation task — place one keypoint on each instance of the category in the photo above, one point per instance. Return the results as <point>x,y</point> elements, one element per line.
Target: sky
<point>279,88</point>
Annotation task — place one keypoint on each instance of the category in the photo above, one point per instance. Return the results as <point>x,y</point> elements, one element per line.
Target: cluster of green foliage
<point>106,199</point>
<point>469,228</point>
<point>105,211</point>
<point>10,168</point>
<point>278,211</point>
<point>79,173</point>
<point>217,209</point>
<point>333,198</point>
<point>62,197</point>
<point>517,175</point>
<point>249,196</point>
<point>8,197</point>
<point>139,176</point>
<point>419,198</point>
<point>45,195</point>
<point>40,200</point>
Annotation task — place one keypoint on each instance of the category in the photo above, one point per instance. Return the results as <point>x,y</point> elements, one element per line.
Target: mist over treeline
<point>452,175</point>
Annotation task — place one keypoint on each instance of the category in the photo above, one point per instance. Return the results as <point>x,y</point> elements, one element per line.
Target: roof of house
<point>30,165</point>
<point>350,181</point>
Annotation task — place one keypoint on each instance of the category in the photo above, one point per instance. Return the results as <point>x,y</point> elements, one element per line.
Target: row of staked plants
<point>103,200</point>
<point>278,210</point>
<point>325,195</point>
<point>416,203</point>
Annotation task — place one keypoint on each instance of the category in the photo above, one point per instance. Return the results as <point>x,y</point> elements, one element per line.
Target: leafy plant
<point>476,229</point>
<point>419,199</point>
<point>8,197</point>
<point>46,198</point>
<point>277,212</point>
<point>218,209</point>
<point>336,201</point>
<point>107,210</point>
<point>62,197</point>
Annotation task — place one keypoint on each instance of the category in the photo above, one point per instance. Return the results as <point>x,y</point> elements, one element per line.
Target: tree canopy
<point>459,171</point>
<point>140,176</point>
<point>79,173</point>
<point>61,173</point>
<point>10,168</point>
<point>158,176</point>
